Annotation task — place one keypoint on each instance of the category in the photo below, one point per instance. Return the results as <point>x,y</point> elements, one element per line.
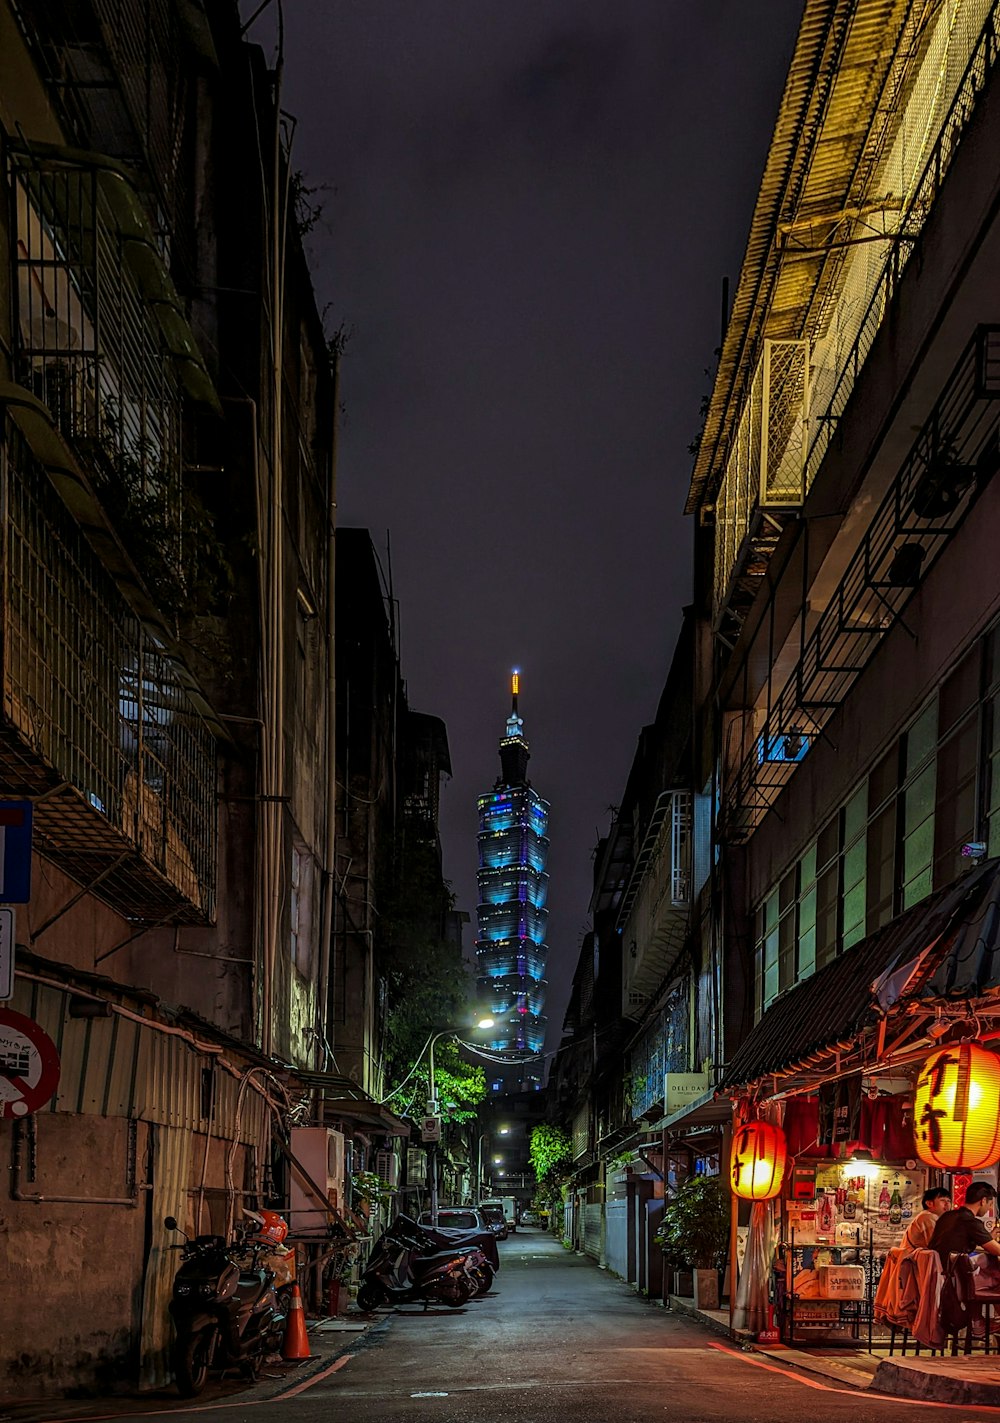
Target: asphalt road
<point>556,1339</point>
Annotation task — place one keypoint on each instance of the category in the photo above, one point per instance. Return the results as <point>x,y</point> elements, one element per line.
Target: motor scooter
<point>407,1266</point>
<point>224,1308</point>
<point>479,1255</point>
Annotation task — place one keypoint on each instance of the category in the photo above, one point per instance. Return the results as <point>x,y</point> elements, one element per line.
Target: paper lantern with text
<point>758,1161</point>
<point>956,1109</point>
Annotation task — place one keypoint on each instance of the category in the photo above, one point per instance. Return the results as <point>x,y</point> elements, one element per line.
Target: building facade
<point>166,429</point>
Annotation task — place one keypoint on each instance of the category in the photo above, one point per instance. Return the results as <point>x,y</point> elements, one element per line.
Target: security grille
<point>91,346</point>
<point>90,700</point>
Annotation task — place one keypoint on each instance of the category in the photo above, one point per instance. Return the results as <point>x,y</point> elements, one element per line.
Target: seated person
<point>961,1231</point>
<point>917,1235</point>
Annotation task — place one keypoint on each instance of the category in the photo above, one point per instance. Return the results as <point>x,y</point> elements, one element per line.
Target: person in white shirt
<point>917,1235</point>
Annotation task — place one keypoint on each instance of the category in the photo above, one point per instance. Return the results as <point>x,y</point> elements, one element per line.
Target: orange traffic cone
<point>296,1338</point>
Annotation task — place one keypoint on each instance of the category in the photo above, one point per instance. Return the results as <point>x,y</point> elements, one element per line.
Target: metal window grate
<point>91,700</point>
<point>932,104</point>
<point>957,452</point>
<point>91,348</point>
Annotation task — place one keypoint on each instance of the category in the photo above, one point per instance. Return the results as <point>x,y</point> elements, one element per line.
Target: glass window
<point>854,894</point>
<point>881,867</point>
<point>991,789</point>
<point>921,737</point>
<point>918,836</point>
<point>827,914</point>
<point>955,814</point>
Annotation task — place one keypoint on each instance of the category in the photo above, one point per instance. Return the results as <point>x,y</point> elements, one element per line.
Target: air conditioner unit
<point>416,1167</point>
<point>317,1153</point>
<point>387,1169</point>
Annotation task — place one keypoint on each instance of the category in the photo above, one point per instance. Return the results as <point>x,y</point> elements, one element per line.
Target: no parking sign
<point>29,1065</point>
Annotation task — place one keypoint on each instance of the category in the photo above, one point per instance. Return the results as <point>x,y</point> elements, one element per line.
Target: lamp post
<point>432,1107</point>
<point>501,1131</point>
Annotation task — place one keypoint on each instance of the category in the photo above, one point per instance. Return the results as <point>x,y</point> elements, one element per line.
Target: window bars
<point>90,699</point>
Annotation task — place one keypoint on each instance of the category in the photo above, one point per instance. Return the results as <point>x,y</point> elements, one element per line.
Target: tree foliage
<point>459,1086</point>
<point>550,1151</point>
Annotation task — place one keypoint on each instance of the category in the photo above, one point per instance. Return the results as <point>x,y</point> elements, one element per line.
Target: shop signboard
<point>680,1089</point>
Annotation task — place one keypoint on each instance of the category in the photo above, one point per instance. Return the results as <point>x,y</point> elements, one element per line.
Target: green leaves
<point>550,1150</point>
<point>694,1233</point>
<point>459,1086</point>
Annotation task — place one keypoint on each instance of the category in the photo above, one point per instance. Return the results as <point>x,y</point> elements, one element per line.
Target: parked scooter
<point>407,1265</point>
<point>479,1255</point>
<point>224,1306</point>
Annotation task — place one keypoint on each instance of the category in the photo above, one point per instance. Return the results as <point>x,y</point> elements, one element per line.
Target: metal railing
<point>90,347</point>
<point>90,700</point>
<point>956,452</point>
<point>738,519</point>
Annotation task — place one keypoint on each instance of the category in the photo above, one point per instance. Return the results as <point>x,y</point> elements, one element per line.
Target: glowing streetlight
<point>432,1104</point>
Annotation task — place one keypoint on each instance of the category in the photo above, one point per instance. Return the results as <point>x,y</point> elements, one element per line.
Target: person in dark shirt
<point>961,1231</point>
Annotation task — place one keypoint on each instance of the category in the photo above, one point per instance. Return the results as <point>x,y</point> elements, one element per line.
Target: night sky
<point>530,206</point>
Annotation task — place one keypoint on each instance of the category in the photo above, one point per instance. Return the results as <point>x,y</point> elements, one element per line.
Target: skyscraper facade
<point>513,885</point>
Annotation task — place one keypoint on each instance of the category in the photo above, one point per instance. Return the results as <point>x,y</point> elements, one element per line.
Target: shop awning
<point>946,946</point>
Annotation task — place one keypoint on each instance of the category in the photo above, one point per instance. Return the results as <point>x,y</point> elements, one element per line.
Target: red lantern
<point>956,1110</point>
<point>758,1161</point>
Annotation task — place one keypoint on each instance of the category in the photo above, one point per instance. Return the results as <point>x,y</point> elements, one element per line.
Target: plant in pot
<point>694,1235</point>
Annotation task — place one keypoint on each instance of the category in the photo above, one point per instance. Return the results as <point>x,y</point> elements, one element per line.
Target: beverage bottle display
<point>895,1205</point>
<point>883,1202</point>
<point>825,1214</point>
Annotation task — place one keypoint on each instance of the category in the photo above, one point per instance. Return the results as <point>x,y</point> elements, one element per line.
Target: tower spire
<point>513,747</point>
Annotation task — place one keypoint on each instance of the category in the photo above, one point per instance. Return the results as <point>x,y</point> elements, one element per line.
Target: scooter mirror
<point>170,1222</point>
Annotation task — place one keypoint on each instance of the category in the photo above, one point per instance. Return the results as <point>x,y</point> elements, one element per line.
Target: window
<point>898,836</point>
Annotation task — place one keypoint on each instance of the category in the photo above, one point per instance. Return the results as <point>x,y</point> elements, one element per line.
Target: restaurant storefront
<point>839,1065</point>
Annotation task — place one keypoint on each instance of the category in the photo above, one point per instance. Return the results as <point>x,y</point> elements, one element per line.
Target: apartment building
<point>166,423</point>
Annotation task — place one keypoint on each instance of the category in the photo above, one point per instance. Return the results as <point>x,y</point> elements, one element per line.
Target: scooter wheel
<point>369,1298</point>
<point>454,1293</point>
<point>192,1359</point>
<point>484,1277</point>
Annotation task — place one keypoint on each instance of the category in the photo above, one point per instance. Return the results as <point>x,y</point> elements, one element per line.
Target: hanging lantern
<point>758,1161</point>
<point>956,1109</point>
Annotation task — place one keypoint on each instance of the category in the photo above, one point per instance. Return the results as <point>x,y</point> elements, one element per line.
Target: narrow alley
<point>556,1338</point>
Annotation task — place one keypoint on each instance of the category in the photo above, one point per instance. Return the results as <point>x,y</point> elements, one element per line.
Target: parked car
<point>457,1218</point>
<point>508,1208</point>
<point>492,1213</point>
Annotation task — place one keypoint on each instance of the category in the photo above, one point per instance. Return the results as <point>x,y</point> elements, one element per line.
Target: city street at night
<point>499,711</point>
<point>555,1339</point>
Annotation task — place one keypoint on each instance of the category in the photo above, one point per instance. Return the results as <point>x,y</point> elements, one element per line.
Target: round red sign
<point>29,1065</point>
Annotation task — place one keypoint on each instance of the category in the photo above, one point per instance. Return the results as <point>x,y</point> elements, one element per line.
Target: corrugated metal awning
<point>832,125</point>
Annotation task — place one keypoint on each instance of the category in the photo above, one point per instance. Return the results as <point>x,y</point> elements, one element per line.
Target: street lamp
<point>432,1106</point>
<point>500,1131</point>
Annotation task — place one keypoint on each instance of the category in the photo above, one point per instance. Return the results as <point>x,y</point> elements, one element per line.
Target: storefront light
<point>956,1110</point>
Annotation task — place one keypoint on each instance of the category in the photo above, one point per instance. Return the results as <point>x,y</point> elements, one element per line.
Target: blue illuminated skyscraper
<point>512,917</point>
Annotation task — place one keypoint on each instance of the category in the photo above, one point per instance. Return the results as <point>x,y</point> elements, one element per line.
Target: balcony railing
<point>655,909</point>
<point>952,459</point>
<point>97,720</point>
<point>931,130</point>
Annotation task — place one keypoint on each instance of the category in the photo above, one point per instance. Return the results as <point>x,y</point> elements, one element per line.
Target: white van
<point>506,1204</point>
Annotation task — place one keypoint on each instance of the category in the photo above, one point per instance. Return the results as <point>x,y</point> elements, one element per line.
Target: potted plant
<point>694,1235</point>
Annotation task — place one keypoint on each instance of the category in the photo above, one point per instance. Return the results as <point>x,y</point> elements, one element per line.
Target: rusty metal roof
<point>840,104</point>
<point>838,1002</point>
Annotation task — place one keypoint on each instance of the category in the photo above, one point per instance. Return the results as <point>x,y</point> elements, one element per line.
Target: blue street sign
<point>15,851</point>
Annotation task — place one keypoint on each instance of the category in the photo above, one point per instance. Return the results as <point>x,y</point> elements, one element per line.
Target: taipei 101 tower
<point>510,945</point>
